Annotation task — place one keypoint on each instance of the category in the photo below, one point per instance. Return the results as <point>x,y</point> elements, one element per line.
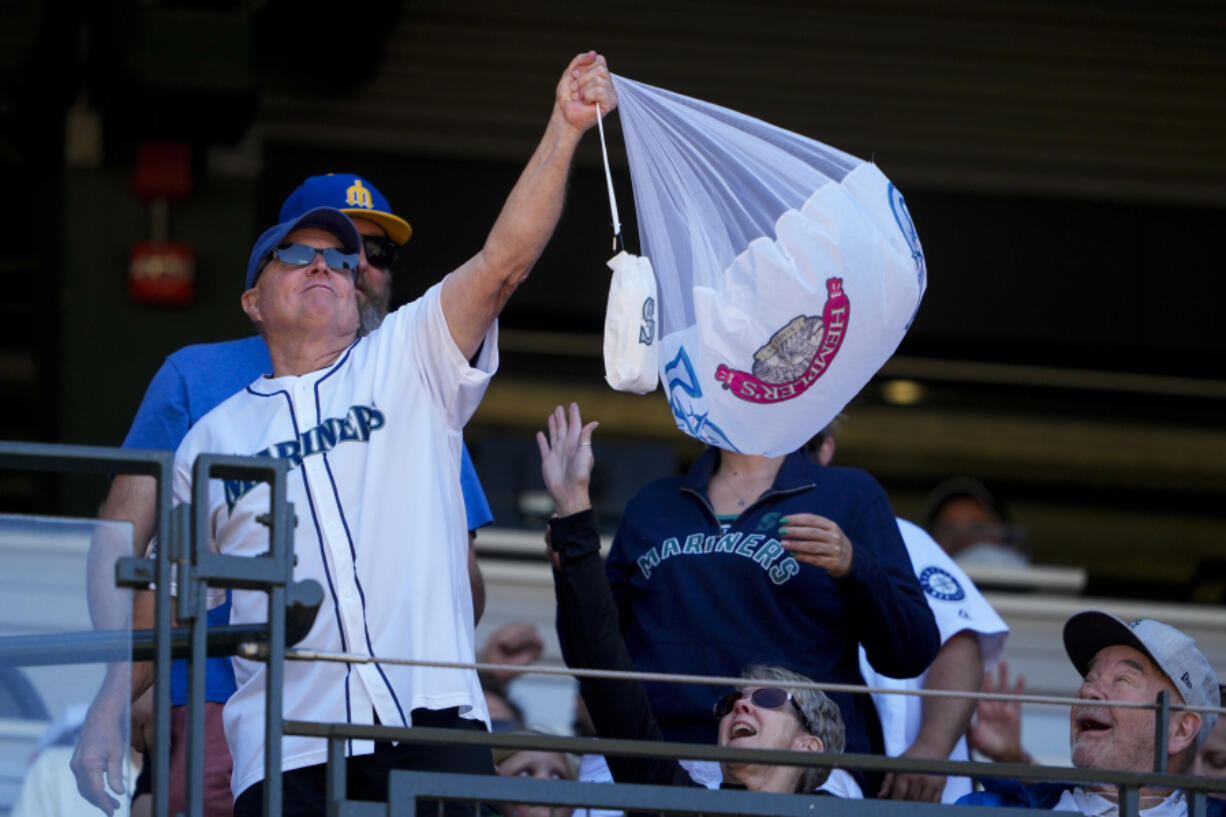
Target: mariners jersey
<point>957,605</point>
<point>373,447</point>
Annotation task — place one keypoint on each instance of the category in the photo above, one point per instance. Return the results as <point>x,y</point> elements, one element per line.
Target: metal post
<point>195,594</point>
<point>271,573</point>
<point>281,532</point>
<point>337,788</point>
<point>1161,725</point>
<point>168,533</point>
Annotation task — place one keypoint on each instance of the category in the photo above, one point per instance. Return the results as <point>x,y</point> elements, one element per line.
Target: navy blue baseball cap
<point>352,195</point>
<point>325,218</point>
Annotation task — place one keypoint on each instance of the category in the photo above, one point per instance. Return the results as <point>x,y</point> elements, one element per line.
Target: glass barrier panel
<point>58,599</point>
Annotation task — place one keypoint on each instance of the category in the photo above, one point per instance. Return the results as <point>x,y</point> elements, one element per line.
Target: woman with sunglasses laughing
<point>759,715</point>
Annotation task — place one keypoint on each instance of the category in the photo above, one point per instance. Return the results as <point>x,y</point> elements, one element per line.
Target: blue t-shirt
<point>191,383</point>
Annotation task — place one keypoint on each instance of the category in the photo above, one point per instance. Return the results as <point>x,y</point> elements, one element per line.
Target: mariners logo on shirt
<point>941,585</point>
<point>767,553</point>
<point>357,426</point>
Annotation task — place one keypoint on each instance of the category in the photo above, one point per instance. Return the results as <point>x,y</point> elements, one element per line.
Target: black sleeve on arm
<point>590,636</point>
<point>891,617</point>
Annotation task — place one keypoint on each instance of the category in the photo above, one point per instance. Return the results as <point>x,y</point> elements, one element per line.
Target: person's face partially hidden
<point>374,285</point>
<point>539,765</point>
<point>964,521</point>
<point>1211,759</point>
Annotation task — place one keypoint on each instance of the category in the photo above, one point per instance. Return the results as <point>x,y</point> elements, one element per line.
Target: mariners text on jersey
<point>356,426</point>
<point>755,546</point>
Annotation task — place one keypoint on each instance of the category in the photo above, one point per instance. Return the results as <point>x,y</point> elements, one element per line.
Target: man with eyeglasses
<point>370,427</point>
<point>190,383</point>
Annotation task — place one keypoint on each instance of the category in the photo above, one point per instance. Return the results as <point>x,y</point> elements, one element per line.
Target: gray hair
<point>822,717</point>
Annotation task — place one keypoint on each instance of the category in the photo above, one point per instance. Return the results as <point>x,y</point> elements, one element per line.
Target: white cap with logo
<point>1174,652</point>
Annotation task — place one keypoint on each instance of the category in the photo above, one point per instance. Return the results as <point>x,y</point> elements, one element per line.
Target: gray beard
<point>369,317</point>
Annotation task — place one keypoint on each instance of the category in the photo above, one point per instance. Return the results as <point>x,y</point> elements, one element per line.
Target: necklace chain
<point>741,501</point>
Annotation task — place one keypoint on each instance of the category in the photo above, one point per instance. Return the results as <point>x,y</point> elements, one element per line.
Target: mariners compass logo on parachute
<point>795,356</point>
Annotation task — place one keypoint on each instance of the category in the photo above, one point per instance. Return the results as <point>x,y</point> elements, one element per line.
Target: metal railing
<point>185,560</point>
<point>130,572</point>
<point>687,800</point>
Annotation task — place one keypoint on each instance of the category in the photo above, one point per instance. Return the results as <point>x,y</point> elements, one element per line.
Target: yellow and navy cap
<point>352,195</point>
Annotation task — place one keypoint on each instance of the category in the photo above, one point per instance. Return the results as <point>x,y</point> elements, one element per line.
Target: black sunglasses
<point>764,698</point>
<point>299,255</point>
<point>380,252</point>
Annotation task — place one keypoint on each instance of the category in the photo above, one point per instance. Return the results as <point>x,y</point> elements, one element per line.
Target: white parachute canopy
<point>788,271</point>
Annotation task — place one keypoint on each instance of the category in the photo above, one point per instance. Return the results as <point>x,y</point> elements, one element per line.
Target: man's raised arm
<point>475,293</point>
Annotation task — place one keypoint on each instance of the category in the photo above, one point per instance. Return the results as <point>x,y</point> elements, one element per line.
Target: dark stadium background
<point>1062,160</point>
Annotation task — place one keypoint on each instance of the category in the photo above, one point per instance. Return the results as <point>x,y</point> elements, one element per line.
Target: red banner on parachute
<point>778,359</point>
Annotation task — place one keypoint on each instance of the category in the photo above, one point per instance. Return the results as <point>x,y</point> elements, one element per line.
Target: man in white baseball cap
<point>1125,661</point>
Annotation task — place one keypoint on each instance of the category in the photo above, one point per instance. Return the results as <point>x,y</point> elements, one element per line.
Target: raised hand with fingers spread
<point>997,730</point>
<point>566,459</point>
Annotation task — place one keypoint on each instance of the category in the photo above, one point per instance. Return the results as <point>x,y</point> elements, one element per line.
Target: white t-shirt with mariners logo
<point>374,447</point>
<point>957,605</point>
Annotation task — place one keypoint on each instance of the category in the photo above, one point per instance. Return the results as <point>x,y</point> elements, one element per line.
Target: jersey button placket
<point>335,548</point>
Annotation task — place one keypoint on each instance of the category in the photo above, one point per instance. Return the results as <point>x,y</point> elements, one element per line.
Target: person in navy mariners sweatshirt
<point>756,714</point>
<point>767,560</point>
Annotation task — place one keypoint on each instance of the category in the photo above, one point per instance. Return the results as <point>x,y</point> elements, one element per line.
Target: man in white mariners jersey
<point>191,383</point>
<point>972,640</point>
<point>356,418</point>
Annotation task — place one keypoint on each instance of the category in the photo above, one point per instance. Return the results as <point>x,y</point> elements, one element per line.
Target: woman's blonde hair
<point>569,761</point>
